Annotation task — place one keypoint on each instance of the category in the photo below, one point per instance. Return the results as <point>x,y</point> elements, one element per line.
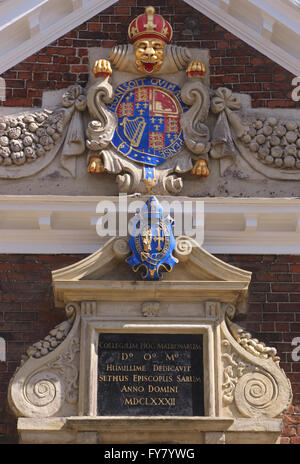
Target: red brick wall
<point>234,64</point>
<point>27,314</point>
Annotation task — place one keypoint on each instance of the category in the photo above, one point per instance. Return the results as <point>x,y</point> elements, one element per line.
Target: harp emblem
<point>134,129</point>
<point>149,129</point>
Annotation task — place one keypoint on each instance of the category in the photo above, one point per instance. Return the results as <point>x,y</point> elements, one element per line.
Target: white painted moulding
<point>67,224</point>
<point>270,26</point>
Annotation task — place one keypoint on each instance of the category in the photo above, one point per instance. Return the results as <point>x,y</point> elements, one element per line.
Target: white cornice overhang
<point>270,26</point>
<point>63,224</point>
<point>26,27</point>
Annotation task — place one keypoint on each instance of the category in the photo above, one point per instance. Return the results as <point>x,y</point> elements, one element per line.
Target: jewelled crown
<point>150,24</point>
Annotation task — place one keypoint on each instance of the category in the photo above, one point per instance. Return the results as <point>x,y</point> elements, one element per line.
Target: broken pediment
<point>82,383</point>
<point>106,275</point>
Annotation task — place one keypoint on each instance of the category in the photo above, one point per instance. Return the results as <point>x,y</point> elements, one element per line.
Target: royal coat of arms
<point>149,129</point>
<point>148,116</point>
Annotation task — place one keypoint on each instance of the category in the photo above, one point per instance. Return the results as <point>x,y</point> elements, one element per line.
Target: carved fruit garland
<point>274,142</point>
<point>34,138</point>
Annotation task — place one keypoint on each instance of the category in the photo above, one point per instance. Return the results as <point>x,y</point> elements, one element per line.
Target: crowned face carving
<point>149,54</point>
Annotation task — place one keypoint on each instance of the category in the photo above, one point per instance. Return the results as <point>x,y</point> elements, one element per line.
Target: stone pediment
<point>105,275</point>
<point>76,386</point>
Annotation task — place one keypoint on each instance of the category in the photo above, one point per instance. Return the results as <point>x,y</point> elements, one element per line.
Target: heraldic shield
<point>152,242</point>
<point>149,112</point>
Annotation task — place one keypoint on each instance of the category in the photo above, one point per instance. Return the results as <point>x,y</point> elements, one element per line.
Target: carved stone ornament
<point>29,142</point>
<point>46,383</point>
<point>57,390</point>
<point>150,309</point>
<point>152,242</point>
<point>253,381</point>
<point>147,117</point>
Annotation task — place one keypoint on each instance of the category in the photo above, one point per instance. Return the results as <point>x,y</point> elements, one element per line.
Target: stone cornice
<point>27,27</point>
<point>67,224</point>
<point>270,26</point>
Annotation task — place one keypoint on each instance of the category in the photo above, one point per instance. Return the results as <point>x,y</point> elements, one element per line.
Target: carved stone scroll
<point>253,381</point>
<point>46,383</point>
<point>196,133</point>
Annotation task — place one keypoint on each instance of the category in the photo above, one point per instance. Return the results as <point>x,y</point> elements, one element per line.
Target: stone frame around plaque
<point>245,390</point>
<point>89,357</point>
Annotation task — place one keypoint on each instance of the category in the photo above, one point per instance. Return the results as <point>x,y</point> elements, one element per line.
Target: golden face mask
<point>149,54</point>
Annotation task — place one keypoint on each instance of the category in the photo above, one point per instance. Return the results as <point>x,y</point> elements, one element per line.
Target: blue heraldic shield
<point>149,130</point>
<point>152,242</point>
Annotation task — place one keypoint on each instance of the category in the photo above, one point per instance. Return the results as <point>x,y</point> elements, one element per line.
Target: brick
<point>279,268</point>
<point>282,326</point>
<point>277,297</point>
<point>295,267</point>
<point>281,277</point>
<point>291,287</point>
<point>293,307</point>
<point>73,60</point>
<point>267,327</point>
<point>80,69</point>
<point>282,317</point>
<point>295,440</point>
<point>20,316</point>
<point>281,104</point>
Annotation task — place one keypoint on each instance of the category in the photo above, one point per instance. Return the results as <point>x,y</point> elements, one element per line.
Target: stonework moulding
<point>149,118</point>
<point>54,391</point>
<point>46,224</point>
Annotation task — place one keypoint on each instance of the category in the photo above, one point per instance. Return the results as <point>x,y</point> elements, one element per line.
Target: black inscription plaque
<point>150,375</point>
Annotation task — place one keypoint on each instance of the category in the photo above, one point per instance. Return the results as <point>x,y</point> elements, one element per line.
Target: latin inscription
<point>150,374</point>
